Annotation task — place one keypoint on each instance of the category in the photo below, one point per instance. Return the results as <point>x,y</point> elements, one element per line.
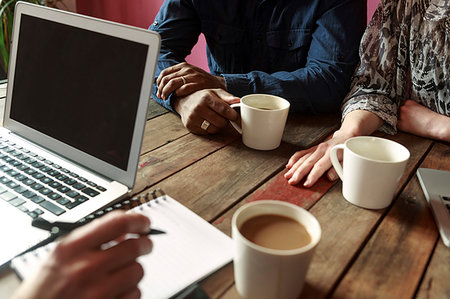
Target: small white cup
<point>263,118</point>
<point>372,168</point>
<point>262,272</point>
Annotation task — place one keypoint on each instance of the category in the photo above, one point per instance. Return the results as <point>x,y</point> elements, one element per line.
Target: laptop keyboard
<point>36,185</point>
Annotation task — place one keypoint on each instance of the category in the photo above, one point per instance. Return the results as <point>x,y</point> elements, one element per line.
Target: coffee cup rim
<point>406,152</point>
<point>315,237</point>
<point>286,104</point>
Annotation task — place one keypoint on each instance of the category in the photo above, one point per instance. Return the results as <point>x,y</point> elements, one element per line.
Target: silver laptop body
<point>76,104</point>
<point>436,188</point>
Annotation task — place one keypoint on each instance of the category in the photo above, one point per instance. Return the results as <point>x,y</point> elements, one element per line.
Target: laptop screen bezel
<point>143,36</point>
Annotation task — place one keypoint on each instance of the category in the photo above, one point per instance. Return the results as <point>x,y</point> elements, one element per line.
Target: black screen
<point>78,86</point>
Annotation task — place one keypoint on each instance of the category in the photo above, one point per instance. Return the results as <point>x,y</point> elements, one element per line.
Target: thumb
<point>332,174</point>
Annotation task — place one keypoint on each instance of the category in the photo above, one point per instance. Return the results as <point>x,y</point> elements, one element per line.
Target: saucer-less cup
<point>262,272</point>
<point>263,118</point>
<point>372,168</point>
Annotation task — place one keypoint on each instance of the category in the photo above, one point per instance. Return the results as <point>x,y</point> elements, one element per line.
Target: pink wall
<point>141,13</point>
<point>371,6</point>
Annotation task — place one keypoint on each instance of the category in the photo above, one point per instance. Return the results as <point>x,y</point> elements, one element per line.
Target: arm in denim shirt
<point>315,83</point>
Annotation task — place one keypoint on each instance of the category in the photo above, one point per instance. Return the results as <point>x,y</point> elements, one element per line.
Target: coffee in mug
<point>267,262</point>
<point>275,232</point>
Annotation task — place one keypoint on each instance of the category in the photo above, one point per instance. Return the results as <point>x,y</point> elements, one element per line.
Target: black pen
<point>61,228</point>
<point>58,229</point>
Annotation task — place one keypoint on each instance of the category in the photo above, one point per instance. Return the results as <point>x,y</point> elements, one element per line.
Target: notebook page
<point>189,251</point>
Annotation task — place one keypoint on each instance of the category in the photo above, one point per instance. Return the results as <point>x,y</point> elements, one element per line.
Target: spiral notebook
<point>190,250</point>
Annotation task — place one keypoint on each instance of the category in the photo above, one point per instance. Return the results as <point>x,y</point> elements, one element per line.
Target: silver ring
<point>205,125</point>
<point>184,80</point>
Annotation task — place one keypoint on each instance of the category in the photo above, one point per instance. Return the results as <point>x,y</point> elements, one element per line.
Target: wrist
<point>222,83</point>
<point>176,105</point>
<point>440,128</point>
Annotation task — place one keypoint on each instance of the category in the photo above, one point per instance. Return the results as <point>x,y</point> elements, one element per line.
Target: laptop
<point>436,188</point>
<point>75,112</point>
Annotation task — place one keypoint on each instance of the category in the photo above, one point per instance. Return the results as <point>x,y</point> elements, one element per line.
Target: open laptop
<point>76,104</point>
<point>436,187</point>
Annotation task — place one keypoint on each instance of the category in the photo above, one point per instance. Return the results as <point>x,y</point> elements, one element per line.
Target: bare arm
<point>419,120</point>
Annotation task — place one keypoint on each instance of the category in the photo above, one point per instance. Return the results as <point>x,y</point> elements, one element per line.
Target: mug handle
<point>235,125</point>
<point>335,161</point>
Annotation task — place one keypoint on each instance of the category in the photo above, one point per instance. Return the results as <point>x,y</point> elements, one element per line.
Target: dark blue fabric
<point>302,50</point>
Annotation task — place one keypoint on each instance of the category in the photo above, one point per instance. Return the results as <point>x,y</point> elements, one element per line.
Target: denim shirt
<point>304,51</point>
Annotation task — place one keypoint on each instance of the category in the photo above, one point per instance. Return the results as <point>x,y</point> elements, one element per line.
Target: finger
<point>223,108</point>
<point>121,281</point>
<point>211,129</point>
<point>134,293</point>
<point>226,96</point>
<point>317,171</point>
<point>188,88</point>
<point>300,169</point>
<point>124,253</point>
<point>296,165</point>
<point>295,157</point>
<point>167,71</point>
<point>332,174</point>
<point>104,229</point>
<point>170,85</point>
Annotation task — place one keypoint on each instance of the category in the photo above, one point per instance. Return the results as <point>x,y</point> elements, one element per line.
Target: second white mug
<point>372,168</point>
<point>263,118</point>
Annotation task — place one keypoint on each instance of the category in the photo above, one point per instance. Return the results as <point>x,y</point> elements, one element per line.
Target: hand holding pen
<point>79,267</point>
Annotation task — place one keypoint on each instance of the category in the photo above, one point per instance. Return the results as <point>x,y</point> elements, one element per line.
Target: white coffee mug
<point>263,118</point>
<point>261,272</point>
<point>372,168</point>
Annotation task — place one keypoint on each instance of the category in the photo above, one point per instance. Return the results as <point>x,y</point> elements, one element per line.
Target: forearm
<point>359,123</point>
<point>179,28</point>
<point>440,128</point>
<point>316,88</point>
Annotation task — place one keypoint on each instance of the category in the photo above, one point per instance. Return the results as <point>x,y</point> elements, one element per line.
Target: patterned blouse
<point>407,43</point>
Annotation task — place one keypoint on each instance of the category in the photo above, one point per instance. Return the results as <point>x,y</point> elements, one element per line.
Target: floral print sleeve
<point>406,41</point>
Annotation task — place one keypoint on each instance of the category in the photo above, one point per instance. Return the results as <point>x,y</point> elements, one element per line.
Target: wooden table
<point>391,253</point>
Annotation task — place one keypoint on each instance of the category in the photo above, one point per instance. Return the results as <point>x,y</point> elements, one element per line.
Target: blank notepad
<point>190,250</point>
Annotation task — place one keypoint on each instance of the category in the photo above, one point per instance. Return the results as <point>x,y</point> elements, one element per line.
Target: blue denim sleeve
<point>321,85</point>
<point>179,28</point>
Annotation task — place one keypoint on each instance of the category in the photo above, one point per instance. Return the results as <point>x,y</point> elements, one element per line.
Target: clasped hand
<point>184,79</point>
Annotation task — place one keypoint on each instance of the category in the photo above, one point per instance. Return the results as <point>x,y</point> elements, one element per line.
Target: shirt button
<point>155,23</point>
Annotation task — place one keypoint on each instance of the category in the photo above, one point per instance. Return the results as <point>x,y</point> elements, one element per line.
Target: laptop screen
<point>56,93</point>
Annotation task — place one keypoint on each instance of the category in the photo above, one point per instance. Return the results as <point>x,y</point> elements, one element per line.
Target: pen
<point>58,229</point>
<point>61,228</point>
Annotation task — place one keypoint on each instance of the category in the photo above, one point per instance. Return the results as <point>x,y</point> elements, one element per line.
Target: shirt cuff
<point>238,85</point>
<point>381,106</point>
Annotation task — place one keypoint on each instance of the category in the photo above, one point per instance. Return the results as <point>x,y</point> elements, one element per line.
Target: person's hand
<point>211,105</point>
<point>312,163</point>
<point>420,120</point>
<point>80,268</point>
<point>185,79</point>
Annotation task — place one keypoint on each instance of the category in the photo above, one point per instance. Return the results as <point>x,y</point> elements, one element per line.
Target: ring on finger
<point>205,125</point>
<point>184,79</point>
